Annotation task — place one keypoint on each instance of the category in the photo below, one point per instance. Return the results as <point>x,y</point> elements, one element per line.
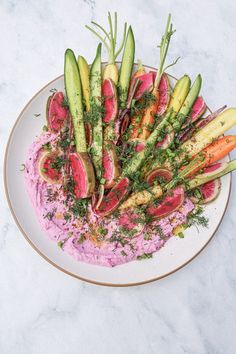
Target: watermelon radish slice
<point>138,144</point>
<point>167,140</point>
<point>110,100</point>
<point>129,221</point>
<point>164,94</point>
<point>169,204</point>
<point>217,167</point>
<point>125,121</point>
<point>111,201</point>
<point>45,167</point>
<point>110,165</point>
<point>97,197</point>
<point>145,85</point>
<point>157,174</point>
<point>208,192</point>
<point>56,112</point>
<point>83,174</point>
<point>198,109</point>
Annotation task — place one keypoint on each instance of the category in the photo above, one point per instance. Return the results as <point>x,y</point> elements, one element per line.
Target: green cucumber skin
<point>74,95</point>
<point>200,180</point>
<point>136,162</point>
<point>188,103</point>
<point>126,67</point>
<point>96,94</point>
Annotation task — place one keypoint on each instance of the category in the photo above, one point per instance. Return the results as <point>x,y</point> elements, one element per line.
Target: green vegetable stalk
<point>96,112</point>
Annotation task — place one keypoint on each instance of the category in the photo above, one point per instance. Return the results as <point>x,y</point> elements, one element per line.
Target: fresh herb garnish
<point>196,218</point>
<point>58,163</point>
<point>79,207</point>
<point>47,146</point>
<point>50,214</point>
<point>145,256</point>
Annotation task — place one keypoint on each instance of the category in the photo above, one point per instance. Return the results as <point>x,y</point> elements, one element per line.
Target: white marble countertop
<point>45,311</point>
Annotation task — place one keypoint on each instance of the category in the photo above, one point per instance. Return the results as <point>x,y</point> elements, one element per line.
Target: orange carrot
<point>148,119</point>
<point>212,153</point>
<point>135,125</point>
<point>135,120</point>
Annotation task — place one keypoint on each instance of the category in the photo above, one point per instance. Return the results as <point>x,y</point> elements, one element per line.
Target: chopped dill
<point>196,218</point>
<point>145,256</point>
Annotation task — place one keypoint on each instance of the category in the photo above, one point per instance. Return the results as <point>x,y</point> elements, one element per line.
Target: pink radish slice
<point>209,192</point>
<point>110,100</point>
<point>110,165</point>
<point>83,174</point>
<point>199,107</point>
<point>169,204</point>
<point>158,173</point>
<point>164,93</point>
<point>111,201</point>
<point>56,112</point>
<point>146,85</point>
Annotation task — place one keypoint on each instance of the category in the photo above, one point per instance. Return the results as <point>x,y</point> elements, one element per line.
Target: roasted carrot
<point>211,154</point>
<point>135,119</point>
<point>148,118</point>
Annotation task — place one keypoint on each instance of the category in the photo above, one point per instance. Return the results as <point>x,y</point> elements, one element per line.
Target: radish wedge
<point>164,93</point>
<point>208,192</point>
<point>110,101</point>
<point>206,177</point>
<point>169,204</point>
<point>45,167</point>
<point>56,112</point>
<point>145,85</point>
<point>198,109</point>
<point>83,174</point>
<point>112,200</point>
<point>157,174</point>
<point>111,169</point>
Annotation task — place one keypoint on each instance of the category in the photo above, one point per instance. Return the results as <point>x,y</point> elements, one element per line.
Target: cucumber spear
<point>126,67</point>
<point>74,95</point>
<point>96,112</point>
<point>81,165</point>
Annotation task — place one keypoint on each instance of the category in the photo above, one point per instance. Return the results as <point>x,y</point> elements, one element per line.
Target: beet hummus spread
<point>107,241</point>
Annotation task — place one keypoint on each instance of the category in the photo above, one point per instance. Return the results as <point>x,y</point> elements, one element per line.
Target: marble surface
<point>45,311</point>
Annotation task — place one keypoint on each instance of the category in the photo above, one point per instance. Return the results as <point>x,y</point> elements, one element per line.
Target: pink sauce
<point>78,236</point>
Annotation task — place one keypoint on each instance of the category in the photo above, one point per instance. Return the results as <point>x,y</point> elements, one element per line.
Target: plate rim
<point>27,238</point>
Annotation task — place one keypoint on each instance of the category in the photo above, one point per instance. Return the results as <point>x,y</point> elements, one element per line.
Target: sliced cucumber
<point>96,111</point>
<point>74,95</point>
<point>126,68</point>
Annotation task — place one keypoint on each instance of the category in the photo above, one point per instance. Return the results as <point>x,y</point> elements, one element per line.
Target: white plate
<point>174,255</point>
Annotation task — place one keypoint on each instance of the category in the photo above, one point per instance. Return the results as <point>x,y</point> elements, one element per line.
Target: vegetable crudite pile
<point>125,161</point>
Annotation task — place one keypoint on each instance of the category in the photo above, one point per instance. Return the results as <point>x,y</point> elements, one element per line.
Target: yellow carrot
<point>209,133</point>
<point>142,197</point>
